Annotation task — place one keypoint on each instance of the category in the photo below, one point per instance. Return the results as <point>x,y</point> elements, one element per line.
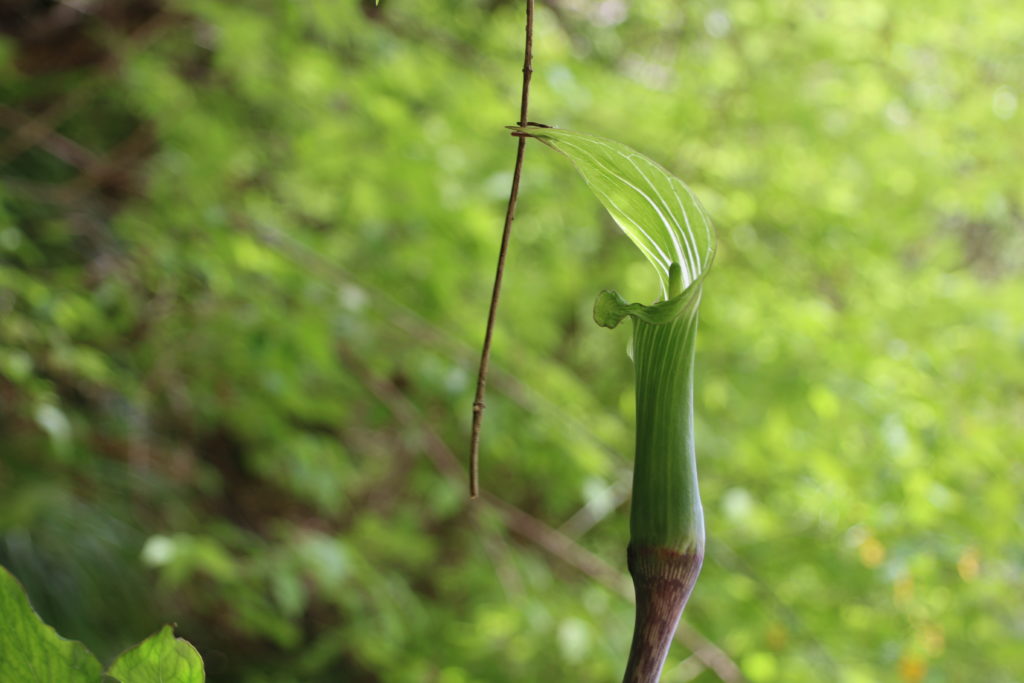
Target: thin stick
<point>510,212</point>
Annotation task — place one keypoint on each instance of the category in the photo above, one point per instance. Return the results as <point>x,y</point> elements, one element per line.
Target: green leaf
<point>161,658</point>
<point>656,210</point>
<point>32,651</point>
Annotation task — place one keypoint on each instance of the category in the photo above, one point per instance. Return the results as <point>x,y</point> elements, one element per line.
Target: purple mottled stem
<point>663,580</point>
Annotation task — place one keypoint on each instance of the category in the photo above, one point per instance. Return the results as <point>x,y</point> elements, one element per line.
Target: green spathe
<point>666,508</point>
<point>664,219</point>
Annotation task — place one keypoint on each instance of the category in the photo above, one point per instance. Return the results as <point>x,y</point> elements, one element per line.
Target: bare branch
<point>510,212</point>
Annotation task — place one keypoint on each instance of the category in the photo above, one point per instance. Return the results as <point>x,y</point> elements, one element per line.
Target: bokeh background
<point>245,258</point>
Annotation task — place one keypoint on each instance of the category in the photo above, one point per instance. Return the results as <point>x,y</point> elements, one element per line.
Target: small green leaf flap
<point>610,308</point>
<point>161,658</point>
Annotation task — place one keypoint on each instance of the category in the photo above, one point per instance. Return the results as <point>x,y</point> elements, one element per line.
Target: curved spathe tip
<point>655,209</point>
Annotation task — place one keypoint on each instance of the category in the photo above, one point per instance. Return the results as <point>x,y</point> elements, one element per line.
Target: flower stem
<point>663,581</point>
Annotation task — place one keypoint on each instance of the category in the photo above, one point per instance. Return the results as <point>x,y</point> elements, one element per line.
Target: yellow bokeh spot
<point>969,564</point>
<point>912,669</point>
<point>933,639</point>
<point>871,552</point>
<point>903,590</point>
<point>777,637</point>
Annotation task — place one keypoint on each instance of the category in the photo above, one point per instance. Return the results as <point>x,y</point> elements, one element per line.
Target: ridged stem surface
<point>663,581</point>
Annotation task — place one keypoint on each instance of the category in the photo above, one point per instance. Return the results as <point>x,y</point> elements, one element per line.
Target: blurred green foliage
<point>245,258</point>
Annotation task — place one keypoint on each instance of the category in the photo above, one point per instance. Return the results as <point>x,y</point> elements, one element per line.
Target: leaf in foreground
<point>161,658</point>
<point>32,651</point>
